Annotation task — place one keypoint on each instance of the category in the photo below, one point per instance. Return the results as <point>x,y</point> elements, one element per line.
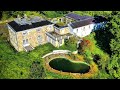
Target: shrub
<point>85,44</point>
<point>37,70</point>
<point>96,58</point>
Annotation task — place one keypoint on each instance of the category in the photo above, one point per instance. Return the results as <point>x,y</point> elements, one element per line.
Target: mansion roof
<point>81,23</point>
<point>78,17</point>
<point>84,20</point>
<point>18,27</point>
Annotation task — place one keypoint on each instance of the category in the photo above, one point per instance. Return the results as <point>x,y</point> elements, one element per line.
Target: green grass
<point>66,65</point>
<point>96,49</point>
<point>52,14</point>
<point>3,32</point>
<point>71,47</point>
<point>12,63</point>
<point>61,24</point>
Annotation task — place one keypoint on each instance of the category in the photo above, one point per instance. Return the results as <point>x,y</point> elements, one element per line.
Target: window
<point>60,41</point>
<point>25,42</point>
<point>50,26</point>
<point>25,33</point>
<point>38,30</point>
<point>49,39</point>
<point>39,39</point>
<point>53,42</point>
<point>89,26</point>
<point>77,30</point>
<point>60,20</point>
<point>83,28</point>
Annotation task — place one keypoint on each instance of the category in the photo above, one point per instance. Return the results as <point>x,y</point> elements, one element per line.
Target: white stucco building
<point>83,25</point>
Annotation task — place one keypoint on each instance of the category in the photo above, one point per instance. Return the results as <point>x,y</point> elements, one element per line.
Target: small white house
<point>84,25</point>
<point>81,28</point>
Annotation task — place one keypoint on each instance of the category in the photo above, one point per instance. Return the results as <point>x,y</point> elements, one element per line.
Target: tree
<point>85,44</point>
<point>71,40</point>
<point>114,63</point>
<point>1,14</point>
<point>37,70</point>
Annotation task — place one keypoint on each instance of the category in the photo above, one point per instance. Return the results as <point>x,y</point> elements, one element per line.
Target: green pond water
<point>65,65</point>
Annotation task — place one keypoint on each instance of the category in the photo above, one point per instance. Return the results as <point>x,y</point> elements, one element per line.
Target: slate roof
<point>18,27</point>
<point>81,23</point>
<point>78,17</point>
<point>85,20</point>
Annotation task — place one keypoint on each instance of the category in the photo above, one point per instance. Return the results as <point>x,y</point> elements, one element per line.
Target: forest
<point>29,65</point>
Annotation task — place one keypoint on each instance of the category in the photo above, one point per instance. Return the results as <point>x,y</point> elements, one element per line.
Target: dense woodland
<point>30,65</point>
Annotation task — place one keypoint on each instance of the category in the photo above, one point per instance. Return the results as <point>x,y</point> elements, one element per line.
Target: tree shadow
<point>103,38</point>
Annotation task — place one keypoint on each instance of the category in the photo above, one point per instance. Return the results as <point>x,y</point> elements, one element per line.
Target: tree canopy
<point>114,64</point>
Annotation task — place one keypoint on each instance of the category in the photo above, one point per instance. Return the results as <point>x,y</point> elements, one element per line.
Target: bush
<point>71,40</point>
<point>84,45</point>
<point>37,70</point>
<point>96,58</point>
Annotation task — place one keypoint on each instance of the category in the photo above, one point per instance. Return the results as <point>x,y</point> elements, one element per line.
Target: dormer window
<point>25,33</point>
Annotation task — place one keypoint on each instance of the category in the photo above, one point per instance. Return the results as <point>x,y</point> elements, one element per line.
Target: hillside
<point>104,44</point>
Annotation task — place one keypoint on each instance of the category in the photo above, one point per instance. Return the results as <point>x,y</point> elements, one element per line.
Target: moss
<point>61,24</point>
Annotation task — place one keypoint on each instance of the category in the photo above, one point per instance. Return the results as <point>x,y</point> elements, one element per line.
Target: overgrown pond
<point>65,65</point>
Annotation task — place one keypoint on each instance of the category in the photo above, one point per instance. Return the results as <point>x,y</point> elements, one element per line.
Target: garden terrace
<point>57,36</point>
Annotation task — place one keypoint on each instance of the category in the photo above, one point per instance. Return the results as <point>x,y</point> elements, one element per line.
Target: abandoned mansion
<point>28,32</point>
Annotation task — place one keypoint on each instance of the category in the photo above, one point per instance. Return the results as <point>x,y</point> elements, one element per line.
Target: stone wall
<point>20,41</point>
<point>64,31</point>
<point>32,36</point>
<point>13,38</point>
